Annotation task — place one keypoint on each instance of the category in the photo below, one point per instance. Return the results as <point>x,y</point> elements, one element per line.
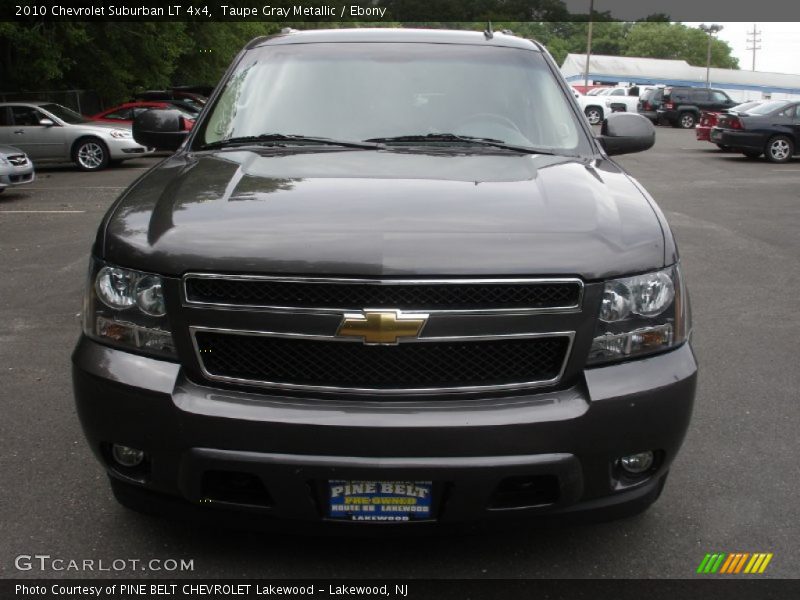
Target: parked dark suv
<point>681,106</point>
<point>389,276</point>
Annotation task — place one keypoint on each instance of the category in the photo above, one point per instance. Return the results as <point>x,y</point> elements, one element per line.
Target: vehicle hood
<point>7,150</point>
<point>384,213</point>
<point>100,127</point>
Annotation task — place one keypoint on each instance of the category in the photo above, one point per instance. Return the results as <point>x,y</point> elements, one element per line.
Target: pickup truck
<point>371,289</point>
<point>617,99</point>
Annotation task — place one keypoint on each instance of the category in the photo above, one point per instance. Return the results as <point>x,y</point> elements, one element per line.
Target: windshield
<point>768,107</point>
<point>746,106</point>
<point>63,113</point>
<point>358,91</point>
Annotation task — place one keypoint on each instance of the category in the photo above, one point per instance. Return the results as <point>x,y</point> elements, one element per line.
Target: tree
<point>679,42</point>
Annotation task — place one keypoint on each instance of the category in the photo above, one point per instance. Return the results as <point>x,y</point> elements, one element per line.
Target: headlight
<point>641,315</point>
<point>120,133</point>
<point>126,308</point>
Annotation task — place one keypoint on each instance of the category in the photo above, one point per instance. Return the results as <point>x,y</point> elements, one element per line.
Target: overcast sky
<point>780,45</point>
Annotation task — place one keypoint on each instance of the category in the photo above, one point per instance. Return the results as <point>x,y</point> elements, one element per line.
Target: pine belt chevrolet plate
<point>379,500</point>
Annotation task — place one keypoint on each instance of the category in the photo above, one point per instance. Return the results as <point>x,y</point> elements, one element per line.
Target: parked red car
<point>125,113</point>
<point>703,128</point>
<point>711,119</point>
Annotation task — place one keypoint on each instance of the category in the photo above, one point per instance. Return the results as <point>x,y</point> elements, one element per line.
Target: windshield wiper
<point>279,138</point>
<point>452,137</point>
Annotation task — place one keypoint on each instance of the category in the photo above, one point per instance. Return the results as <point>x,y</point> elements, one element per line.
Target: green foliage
<point>677,41</point>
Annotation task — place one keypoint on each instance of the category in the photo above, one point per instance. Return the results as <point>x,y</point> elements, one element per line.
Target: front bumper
<point>466,447</point>
<point>11,176</point>
<point>125,148</point>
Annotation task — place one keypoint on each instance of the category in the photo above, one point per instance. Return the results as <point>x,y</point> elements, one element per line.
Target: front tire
<point>594,114</point>
<point>687,120</point>
<point>780,149</point>
<point>90,154</point>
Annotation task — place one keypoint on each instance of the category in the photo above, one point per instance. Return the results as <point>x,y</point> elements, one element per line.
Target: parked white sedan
<point>49,132</point>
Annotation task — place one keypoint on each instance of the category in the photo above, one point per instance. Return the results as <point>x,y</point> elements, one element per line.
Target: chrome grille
<point>320,294</point>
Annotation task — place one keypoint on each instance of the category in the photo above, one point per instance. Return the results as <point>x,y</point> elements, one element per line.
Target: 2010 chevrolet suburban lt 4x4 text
<point>389,277</point>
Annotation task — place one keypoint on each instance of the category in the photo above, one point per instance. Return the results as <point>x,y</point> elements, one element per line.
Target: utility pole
<point>754,41</point>
<point>588,46</point>
<point>711,30</point>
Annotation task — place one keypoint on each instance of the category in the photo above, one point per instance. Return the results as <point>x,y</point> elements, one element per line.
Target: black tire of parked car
<point>780,149</point>
<point>90,154</point>
<point>686,120</point>
<point>594,114</point>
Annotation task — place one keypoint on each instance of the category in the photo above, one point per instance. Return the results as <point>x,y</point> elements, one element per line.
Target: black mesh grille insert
<point>405,366</point>
<point>433,296</point>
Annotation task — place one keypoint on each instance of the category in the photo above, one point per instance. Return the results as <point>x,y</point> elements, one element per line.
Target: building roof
<point>674,72</point>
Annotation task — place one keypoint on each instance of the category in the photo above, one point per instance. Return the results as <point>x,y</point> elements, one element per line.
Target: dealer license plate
<point>385,501</point>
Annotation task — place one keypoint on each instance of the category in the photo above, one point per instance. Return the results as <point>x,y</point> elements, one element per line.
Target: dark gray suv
<point>391,276</point>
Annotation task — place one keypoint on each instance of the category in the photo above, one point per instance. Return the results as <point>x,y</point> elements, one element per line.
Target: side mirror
<point>162,129</point>
<point>46,122</point>
<point>624,133</point>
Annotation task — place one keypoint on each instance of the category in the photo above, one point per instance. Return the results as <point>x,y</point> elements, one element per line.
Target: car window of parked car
<point>64,113</point>
<point>122,114</point>
<point>797,111</point>
<point>676,95</point>
<point>767,107</point>
<point>699,95</point>
<point>617,92</point>
<point>26,116</point>
<point>5,117</point>
<point>343,92</point>
<point>720,97</point>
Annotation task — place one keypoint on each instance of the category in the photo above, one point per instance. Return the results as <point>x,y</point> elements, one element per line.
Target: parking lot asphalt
<point>734,487</point>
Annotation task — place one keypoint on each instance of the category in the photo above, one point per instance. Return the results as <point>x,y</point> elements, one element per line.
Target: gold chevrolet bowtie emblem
<point>381,326</point>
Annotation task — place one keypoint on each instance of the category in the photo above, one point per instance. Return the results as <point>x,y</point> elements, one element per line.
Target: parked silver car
<point>49,132</point>
<point>15,168</point>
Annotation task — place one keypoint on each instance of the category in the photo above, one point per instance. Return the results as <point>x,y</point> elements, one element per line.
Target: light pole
<point>588,47</point>
<point>711,30</point>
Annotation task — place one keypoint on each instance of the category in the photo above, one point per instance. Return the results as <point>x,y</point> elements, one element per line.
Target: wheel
<point>687,120</point>
<point>90,154</point>
<point>780,149</point>
<point>724,148</point>
<point>594,114</point>
<point>2,190</point>
<point>751,153</point>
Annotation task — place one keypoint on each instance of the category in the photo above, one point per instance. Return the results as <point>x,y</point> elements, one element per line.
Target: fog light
<point>126,456</point>
<point>636,464</point>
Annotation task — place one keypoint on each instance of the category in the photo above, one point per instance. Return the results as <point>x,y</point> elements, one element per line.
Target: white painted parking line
<point>785,170</point>
<point>18,212</point>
